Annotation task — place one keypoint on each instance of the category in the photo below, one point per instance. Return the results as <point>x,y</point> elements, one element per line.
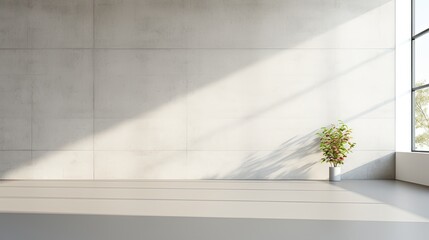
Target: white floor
<point>213,210</point>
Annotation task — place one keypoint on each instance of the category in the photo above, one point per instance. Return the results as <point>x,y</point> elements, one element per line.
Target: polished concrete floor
<point>213,210</point>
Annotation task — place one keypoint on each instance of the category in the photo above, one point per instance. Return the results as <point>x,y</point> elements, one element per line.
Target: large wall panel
<point>193,89</point>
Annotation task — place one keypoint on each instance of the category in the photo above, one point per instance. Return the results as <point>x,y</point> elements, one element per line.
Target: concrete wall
<point>189,89</point>
<point>403,76</point>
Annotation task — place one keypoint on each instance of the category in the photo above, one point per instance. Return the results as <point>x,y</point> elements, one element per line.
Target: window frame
<point>415,36</point>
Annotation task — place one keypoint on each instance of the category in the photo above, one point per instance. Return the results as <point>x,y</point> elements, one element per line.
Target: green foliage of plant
<point>335,143</point>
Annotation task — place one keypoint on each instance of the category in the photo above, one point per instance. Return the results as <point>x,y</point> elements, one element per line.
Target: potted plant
<point>335,144</point>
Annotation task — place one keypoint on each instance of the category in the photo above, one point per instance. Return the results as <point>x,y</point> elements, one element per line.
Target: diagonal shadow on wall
<point>167,80</point>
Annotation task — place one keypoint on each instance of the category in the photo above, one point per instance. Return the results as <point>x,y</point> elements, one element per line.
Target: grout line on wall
<point>93,89</point>
<point>31,118</point>
<point>43,150</point>
<point>262,180</point>
<point>27,20</point>
<point>31,83</point>
<point>99,48</point>
<point>186,113</point>
<point>169,150</point>
<point>93,24</point>
<point>190,200</point>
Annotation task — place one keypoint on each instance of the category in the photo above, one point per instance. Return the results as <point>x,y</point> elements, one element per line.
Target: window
<point>420,74</point>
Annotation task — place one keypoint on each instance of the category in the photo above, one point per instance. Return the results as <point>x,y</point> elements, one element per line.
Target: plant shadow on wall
<point>151,90</point>
<point>298,157</point>
<point>293,159</point>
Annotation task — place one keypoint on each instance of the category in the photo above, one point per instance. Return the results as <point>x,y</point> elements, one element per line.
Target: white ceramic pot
<point>335,174</point>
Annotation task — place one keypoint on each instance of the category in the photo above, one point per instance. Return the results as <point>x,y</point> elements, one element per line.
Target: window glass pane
<point>421,18</point>
<point>421,60</point>
<point>421,119</point>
